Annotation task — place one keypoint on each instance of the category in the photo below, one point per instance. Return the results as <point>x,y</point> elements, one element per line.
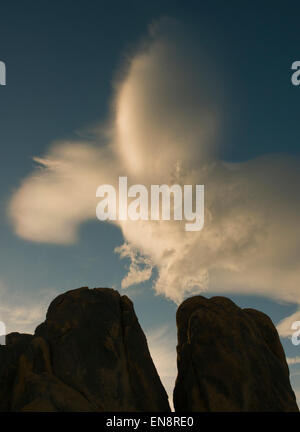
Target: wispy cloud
<point>293,360</point>
<point>140,268</point>
<point>284,328</point>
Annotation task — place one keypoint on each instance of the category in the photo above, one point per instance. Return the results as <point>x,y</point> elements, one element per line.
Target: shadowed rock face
<point>89,355</point>
<point>229,359</point>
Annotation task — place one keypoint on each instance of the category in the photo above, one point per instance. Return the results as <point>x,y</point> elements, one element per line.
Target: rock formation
<point>89,355</point>
<point>229,359</point>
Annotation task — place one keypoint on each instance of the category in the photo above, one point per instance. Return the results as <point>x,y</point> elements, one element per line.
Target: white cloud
<point>60,194</point>
<point>293,360</point>
<point>284,328</point>
<point>140,268</point>
<point>165,128</point>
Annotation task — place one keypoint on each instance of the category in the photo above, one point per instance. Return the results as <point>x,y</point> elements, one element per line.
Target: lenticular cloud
<point>166,128</point>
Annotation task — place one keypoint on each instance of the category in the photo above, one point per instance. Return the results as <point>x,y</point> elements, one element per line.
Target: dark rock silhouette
<point>89,355</point>
<point>229,359</point>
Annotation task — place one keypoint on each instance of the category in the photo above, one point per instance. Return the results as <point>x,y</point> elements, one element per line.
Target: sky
<point>158,91</point>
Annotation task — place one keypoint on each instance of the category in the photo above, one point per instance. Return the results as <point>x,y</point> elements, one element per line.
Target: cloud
<point>60,194</point>
<point>166,127</point>
<point>140,268</point>
<point>293,360</point>
<point>284,328</point>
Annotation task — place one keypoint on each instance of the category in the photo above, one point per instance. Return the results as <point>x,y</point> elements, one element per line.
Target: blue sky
<point>62,62</point>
